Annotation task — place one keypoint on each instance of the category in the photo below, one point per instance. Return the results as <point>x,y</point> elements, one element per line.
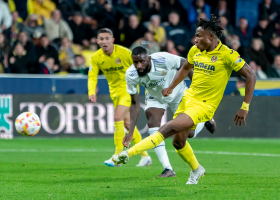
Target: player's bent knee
<point>178,144</point>
<point>153,119</point>
<point>118,118</point>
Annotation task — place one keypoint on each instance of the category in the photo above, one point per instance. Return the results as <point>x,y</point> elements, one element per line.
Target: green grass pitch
<point>34,168</point>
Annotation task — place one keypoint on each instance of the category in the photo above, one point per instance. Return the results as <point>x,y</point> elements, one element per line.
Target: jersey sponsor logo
<point>154,83</point>
<point>118,61</point>
<point>163,73</point>
<point>113,69</point>
<point>214,58</point>
<point>205,66</point>
<point>238,60</point>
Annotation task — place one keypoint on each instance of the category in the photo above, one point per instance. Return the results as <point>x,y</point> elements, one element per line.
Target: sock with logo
<point>199,128</point>
<point>146,144</point>
<point>186,153</point>
<point>137,137</point>
<point>161,151</point>
<point>118,136</point>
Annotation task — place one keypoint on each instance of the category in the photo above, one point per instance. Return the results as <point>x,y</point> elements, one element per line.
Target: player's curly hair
<point>213,24</point>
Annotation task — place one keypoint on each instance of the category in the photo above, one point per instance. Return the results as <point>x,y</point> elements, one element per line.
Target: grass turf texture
<point>73,169</point>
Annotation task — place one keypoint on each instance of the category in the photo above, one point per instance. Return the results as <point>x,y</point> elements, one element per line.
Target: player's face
<point>142,63</point>
<point>203,38</point>
<point>105,41</point>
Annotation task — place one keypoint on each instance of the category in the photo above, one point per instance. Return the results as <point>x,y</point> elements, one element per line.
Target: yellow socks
<point>137,137</point>
<point>118,136</point>
<point>148,143</point>
<point>188,156</point>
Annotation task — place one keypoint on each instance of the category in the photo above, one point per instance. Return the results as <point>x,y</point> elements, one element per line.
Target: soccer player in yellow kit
<point>114,60</point>
<point>213,63</point>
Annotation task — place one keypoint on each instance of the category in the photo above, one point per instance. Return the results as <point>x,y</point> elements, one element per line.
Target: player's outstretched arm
<point>180,76</point>
<point>250,76</point>
<point>134,112</point>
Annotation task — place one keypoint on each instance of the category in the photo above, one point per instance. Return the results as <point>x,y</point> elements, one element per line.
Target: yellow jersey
<point>113,67</point>
<point>211,73</point>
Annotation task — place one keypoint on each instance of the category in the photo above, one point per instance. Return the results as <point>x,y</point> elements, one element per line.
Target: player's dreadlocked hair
<point>213,25</point>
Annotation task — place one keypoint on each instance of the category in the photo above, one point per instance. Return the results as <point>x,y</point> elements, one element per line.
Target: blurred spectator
<point>65,7</point>
<point>67,51</point>
<point>15,28</point>
<point>45,50</point>
<point>178,33</point>
<point>49,66</point>
<point>57,28</point>
<point>133,31</point>
<point>32,28</point>
<point>257,70</point>
<point>228,29</point>
<point>244,32</point>
<point>193,25</point>
<point>157,30</point>
<point>125,9</point>
<point>222,11</point>
<point>256,53</point>
<point>240,87</point>
<point>5,16</point>
<point>168,6</point>
<point>149,8</point>
<point>43,8</point>
<point>79,65</point>
<point>171,48</point>
<point>269,9</point>
<point>104,13</point>
<point>82,33</point>
<point>264,30</point>
<point>24,8</point>
<point>274,71</point>
<point>20,61</point>
<point>4,52</point>
<point>273,48</point>
<point>197,7</point>
<point>81,6</point>
<point>27,45</point>
<point>148,42</point>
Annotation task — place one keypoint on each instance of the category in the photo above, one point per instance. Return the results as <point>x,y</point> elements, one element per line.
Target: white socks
<point>199,128</point>
<point>161,151</point>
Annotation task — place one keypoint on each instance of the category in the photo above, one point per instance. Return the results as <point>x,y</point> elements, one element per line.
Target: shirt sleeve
<point>131,84</point>
<point>234,61</point>
<point>92,76</point>
<point>172,61</point>
<point>191,54</point>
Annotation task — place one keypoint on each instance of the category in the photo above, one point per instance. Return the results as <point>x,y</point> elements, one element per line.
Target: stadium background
<point>49,74</point>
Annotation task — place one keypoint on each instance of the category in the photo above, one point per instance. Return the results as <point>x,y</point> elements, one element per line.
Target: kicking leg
<point>154,116</point>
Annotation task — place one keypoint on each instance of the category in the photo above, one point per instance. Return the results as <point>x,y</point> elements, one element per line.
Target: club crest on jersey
<point>163,73</point>
<point>214,58</point>
<point>118,61</point>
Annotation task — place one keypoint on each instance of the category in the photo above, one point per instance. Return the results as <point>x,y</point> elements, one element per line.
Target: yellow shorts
<point>122,99</point>
<point>198,111</point>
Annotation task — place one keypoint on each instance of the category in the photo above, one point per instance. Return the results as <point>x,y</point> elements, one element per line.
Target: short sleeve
<point>234,61</point>
<point>131,82</point>
<point>191,54</point>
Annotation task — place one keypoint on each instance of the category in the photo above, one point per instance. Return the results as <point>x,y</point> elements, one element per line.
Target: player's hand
<point>166,92</point>
<point>127,139</point>
<point>93,98</point>
<point>240,115</point>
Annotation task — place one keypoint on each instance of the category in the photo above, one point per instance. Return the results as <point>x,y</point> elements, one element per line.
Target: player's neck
<point>109,53</point>
<point>213,46</point>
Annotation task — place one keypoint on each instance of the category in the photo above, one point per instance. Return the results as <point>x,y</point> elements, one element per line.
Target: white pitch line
<point>110,150</point>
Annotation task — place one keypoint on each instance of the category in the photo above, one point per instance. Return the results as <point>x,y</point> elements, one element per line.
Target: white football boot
<point>110,162</point>
<point>144,161</point>
<point>195,175</point>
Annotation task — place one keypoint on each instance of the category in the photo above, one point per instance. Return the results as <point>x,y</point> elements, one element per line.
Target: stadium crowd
<point>59,36</point>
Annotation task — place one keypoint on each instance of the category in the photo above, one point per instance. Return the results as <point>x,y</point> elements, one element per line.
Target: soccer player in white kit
<point>156,72</point>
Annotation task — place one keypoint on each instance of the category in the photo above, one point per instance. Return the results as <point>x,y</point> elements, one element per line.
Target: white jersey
<point>164,67</point>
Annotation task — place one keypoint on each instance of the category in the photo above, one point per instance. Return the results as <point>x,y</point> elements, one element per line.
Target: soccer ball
<point>28,124</point>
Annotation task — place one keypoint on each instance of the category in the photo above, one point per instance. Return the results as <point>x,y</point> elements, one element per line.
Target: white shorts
<point>151,102</point>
